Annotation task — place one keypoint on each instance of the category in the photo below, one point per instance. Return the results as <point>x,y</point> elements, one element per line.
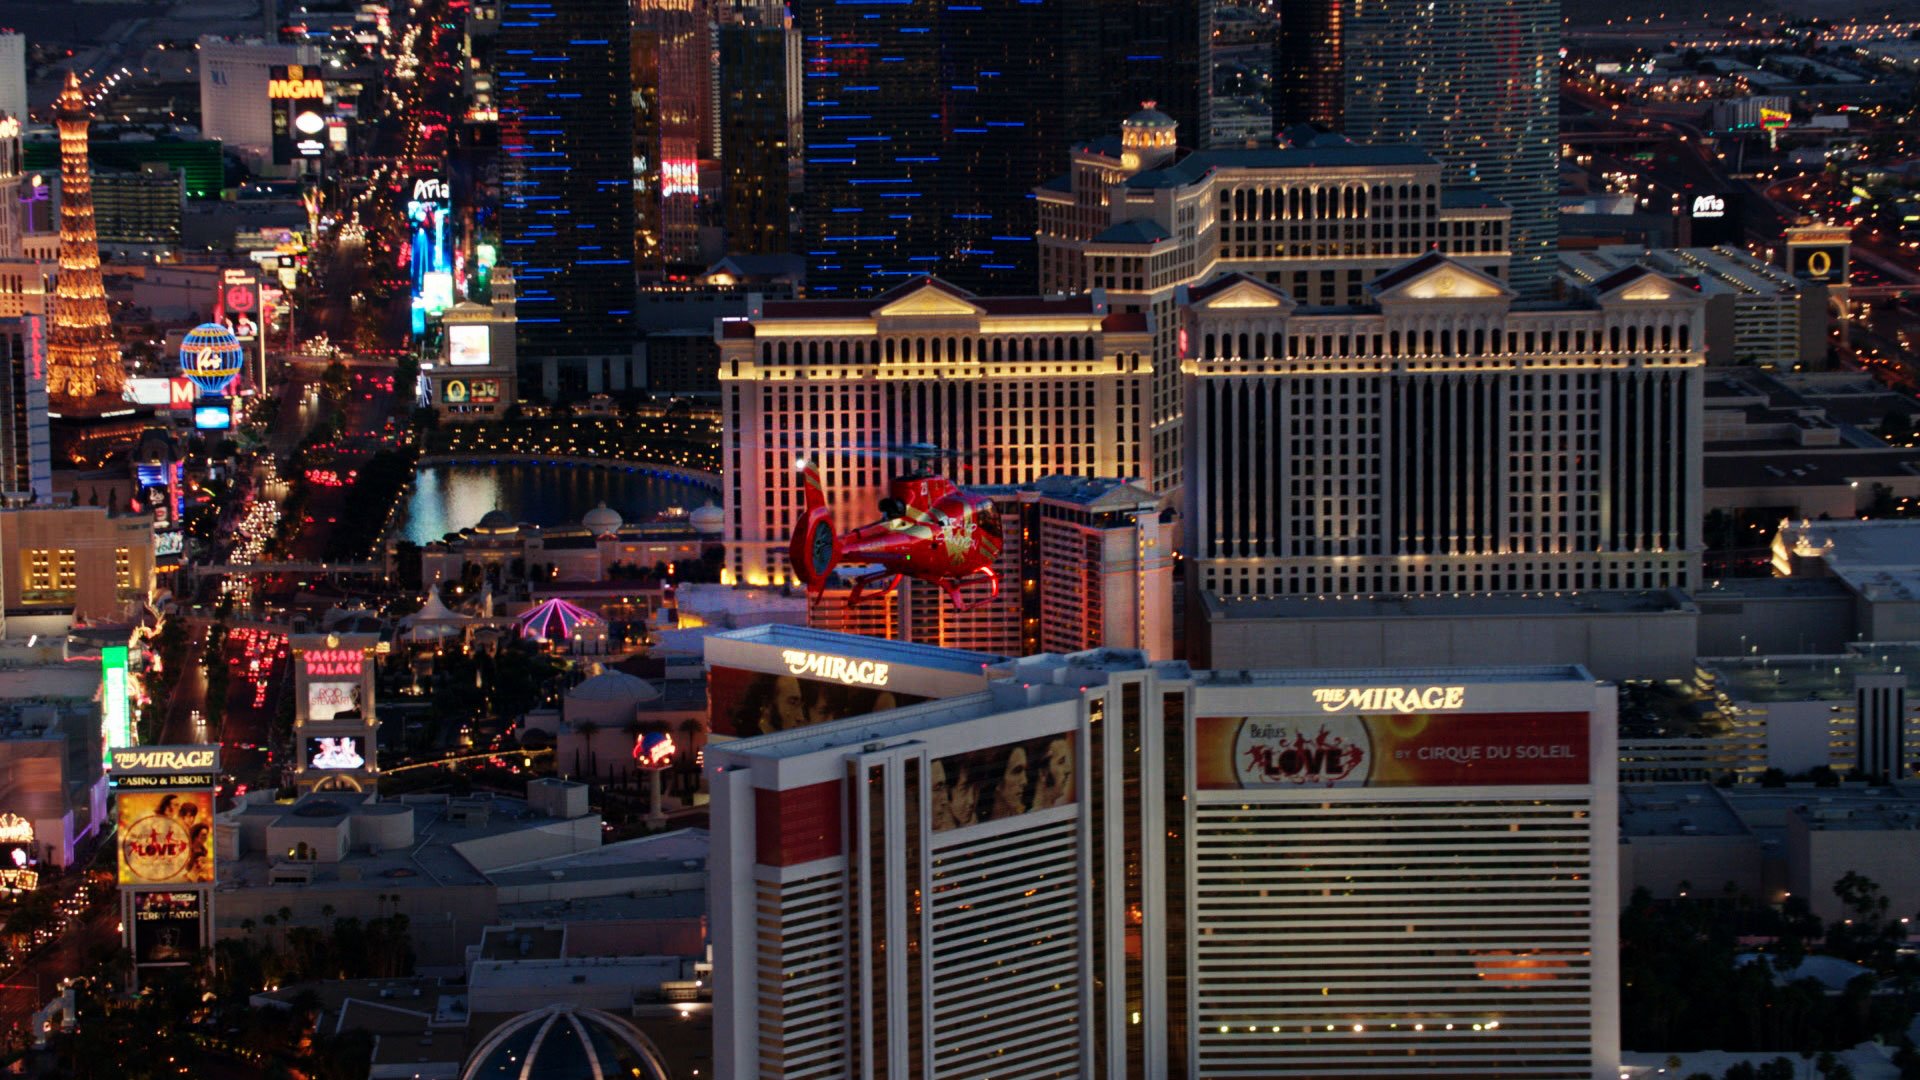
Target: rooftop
<point>1648,810</point>
<point>1802,467</point>
<point>433,860</point>
<point>1038,680</point>
<point>780,635</point>
<point>1195,166</point>
<point>1890,815</point>
<point>1445,607</point>
<point>1761,679</point>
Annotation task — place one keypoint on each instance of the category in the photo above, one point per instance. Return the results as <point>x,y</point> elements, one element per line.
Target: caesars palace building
<point>1094,865</point>
<point>1315,356</point>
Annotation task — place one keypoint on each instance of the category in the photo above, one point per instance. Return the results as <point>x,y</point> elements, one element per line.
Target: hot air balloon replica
<point>211,356</point>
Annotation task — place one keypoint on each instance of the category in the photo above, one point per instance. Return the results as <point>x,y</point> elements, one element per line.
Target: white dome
<point>709,520</point>
<point>566,1042</point>
<point>602,520</point>
<point>614,686</point>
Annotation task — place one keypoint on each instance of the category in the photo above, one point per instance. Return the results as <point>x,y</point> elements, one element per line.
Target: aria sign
<point>1393,699</point>
<point>1709,206</point>
<point>834,668</point>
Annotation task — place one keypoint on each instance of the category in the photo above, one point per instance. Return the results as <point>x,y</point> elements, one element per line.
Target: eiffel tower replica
<point>83,359</point>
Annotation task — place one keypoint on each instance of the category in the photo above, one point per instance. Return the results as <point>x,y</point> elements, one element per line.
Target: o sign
<point>1819,264</point>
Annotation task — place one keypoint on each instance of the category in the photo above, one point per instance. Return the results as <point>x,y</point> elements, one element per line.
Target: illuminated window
<point>123,567</point>
<point>65,568</point>
<point>39,569</point>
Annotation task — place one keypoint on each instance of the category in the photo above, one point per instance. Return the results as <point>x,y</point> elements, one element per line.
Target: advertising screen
<point>429,209</point>
<point>212,417</point>
<point>1002,782</point>
<point>19,854</point>
<point>1406,750</point>
<point>471,392</point>
<point>469,345</point>
<point>149,390</point>
<point>1828,264</point>
<point>166,837</point>
<point>335,753</point>
<point>166,926</point>
<point>116,724</point>
<point>298,98</point>
<point>743,703</point>
<point>170,544</point>
<point>326,700</point>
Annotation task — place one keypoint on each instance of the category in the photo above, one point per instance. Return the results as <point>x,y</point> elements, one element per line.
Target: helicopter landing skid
<point>952,589</point>
<point>861,583</point>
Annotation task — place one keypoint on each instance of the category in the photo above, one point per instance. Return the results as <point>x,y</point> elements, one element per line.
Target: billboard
<point>1001,782</point>
<point>1826,264</point>
<point>326,700</point>
<point>1715,218</point>
<point>1403,749</point>
<point>166,926</point>
<point>471,392</point>
<point>149,390</point>
<point>116,713</point>
<point>429,214</point>
<point>342,752</point>
<point>19,855</point>
<point>166,837</point>
<point>298,99</point>
<point>169,544</point>
<point>212,417</point>
<point>742,703</point>
<point>469,345</point>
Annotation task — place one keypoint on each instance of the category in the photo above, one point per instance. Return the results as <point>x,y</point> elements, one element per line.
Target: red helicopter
<point>932,530</point>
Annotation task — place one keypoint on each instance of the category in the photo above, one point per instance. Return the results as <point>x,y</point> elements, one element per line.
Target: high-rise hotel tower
<point>1137,218</point>
<point>1100,867</point>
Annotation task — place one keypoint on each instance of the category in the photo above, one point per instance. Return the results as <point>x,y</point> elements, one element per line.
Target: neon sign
<point>334,662</point>
<point>653,750</point>
<point>679,177</point>
<point>295,89</point>
<point>834,668</point>
<point>1395,699</point>
<point>15,829</point>
<point>196,758</point>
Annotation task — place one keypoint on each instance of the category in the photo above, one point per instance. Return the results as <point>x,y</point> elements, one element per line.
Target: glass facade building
<point>1476,84</point>
<point>928,125</point>
<point>1307,87</point>
<point>759,136</point>
<point>566,190</point>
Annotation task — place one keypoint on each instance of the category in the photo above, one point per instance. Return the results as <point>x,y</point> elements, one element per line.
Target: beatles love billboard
<point>1415,749</point>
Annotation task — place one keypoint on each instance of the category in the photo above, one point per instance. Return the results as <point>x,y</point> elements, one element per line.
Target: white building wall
<point>233,92</point>
<point>13,76</point>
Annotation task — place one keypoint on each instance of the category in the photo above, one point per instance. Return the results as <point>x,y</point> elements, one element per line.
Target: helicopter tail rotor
<point>815,547</point>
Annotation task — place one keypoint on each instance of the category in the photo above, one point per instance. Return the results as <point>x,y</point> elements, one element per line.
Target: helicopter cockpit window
<point>988,519</point>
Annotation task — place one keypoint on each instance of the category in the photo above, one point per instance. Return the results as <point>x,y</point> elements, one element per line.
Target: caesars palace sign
<point>834,668</point>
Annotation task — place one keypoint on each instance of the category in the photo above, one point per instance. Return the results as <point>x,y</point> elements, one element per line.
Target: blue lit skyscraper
<point>927,124</point>
<point>566,188</point>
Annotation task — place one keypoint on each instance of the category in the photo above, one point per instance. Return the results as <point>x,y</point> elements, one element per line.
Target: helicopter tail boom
<point>815,547</point>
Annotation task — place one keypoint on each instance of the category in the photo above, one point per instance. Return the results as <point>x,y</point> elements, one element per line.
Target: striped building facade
<point>1102,867</point>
